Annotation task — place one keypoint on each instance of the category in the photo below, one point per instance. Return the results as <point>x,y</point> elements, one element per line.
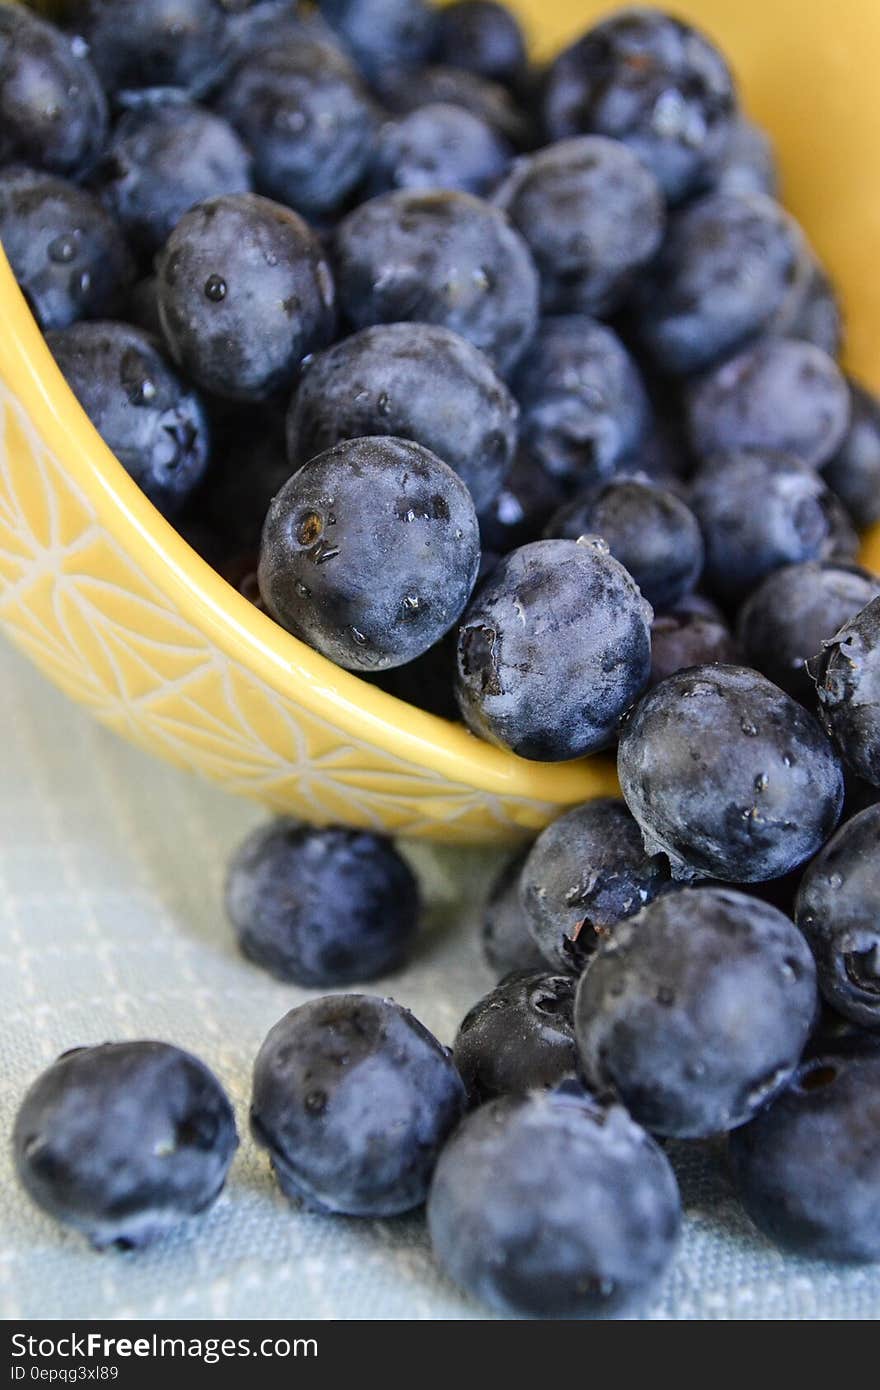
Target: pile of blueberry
<point>517,393</point>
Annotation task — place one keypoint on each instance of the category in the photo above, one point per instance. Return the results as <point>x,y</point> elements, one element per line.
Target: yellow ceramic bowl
<point>108,600</point>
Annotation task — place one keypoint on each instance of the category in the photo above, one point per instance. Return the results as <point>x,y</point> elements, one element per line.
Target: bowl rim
<point>232,623</point>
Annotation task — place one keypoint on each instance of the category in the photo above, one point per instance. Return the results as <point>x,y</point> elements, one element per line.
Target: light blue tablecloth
<point>111,926</point>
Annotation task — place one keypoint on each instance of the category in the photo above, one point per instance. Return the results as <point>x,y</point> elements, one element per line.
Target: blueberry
<point>439,146</point>
<point>808,1168</point>
<point>758,511</point>
<point>426,682</point>
<point>321,907</point>
<point>812,312</point>
<point>136,44</point>
<point>786,619</point>
<point>480,36</point>
<point>370,552</point>
<point>161,160</point>
<point>405,91</point>
<point>443,257</point>
<point>506,940</point>
<point>647,528</point>
<point>519,1037</point>
<point>154,423</point>
<point>586,871</point>
<point>847,677</point>
<point>244,295</point>
<point>584,406</point>
<point>549,1205</point>
<point>382,33</point>
<point>728,776</point>
<point>690,636</point>
<point>725,274</point>
<point>124,1141</point>
<point>53,112</point>
<point>254,25</point>
<point>570,201</point>
<point>66,252</point>
<point>354,1099</point>
<point>780,395</point>
<point>853,474</point>
<point>303,112</point>
<point>696,1011</point>
<point>748,164</point>
<point>643,77</point>
<point>553,650</point>
<point>248,467</point>
<point>416,381</point>
<point>518,514</point>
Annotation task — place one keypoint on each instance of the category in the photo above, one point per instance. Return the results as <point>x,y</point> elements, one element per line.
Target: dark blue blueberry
<point>427,682</point>
<point>252,25</point>
<point>553,650</point>
<point>836,909</point>
<point>137,44</point>
<point>382,33</point>
<point>163,159</point>
<point>643,77</point>
<point>647,528</point>
<point>691,634</point>
<point>124,1141</point>
<point>445,258</point>
<point>748,164</point>
<point>244,295</point>
<point>404,91</point>
<point>550,1205</point>
<point>726,273</point>
<point>812,312</point>
<point>696,1011</point>
<point>154,423</point>
<point>728,776</point>
<point>854,472</point>
<point>584,407</point>
<point>248,467</point>
<point>370,552</point>
<point>586,871</point>
<point>322,908</point>
<point>354,1100</point>
<point>481,36</point>
<point>439,146</point>
<point>506,940</point>
<point>808,1168</point>
<point>66,252</point>
<point>759,511</point>
<point>519,1037</point>
<point>785,621</point>
<point>416,381</point>
<point>53,112</point>
<point>528,498</point>
<point>301,109</point>
<point>780,395</point>
<point>847,674</point>
<point>571,201</point>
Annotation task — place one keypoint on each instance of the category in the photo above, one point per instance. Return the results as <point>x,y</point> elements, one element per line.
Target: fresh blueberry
<point>480,36</point>
<point>163,159</point>
<point>53,112</point>
<point>370,552</point>
<point>124,1141</point>
<point>785,621</point>
<point>382,33</point>
<point>519,1037</point>
<point>354,1100</point>
<point>439,146</point>
<point>696,1011</point>
<point>550,1205</point>
<point>659,85</point>
<point>690,635</point>
<point>405,91</point>
<point>506,940</point>
<point>553,650</point>
<point>812,312</point>
<point>847,675</point>
<point>443,257</point>
<point>808,1168</point>
<point>528,498</point>
<point>570,202</point>
<point>725,274</point>
<point>586,871</point>
<point>647,528</point>
<point>244,295</point>
<point>255,25</point>
<point>748,164</point>
<point>416,381</point>
<point>584,407</point>
<point>780,395</point>
<point>66,252</point>
<point>322,908</point>
<point>854,472</point>
<point>759,511</point>
<point>154,423</point>
<point>248,467</point>
<point>301,109</point>
<point>728,776</point>
<point>137,44</point>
